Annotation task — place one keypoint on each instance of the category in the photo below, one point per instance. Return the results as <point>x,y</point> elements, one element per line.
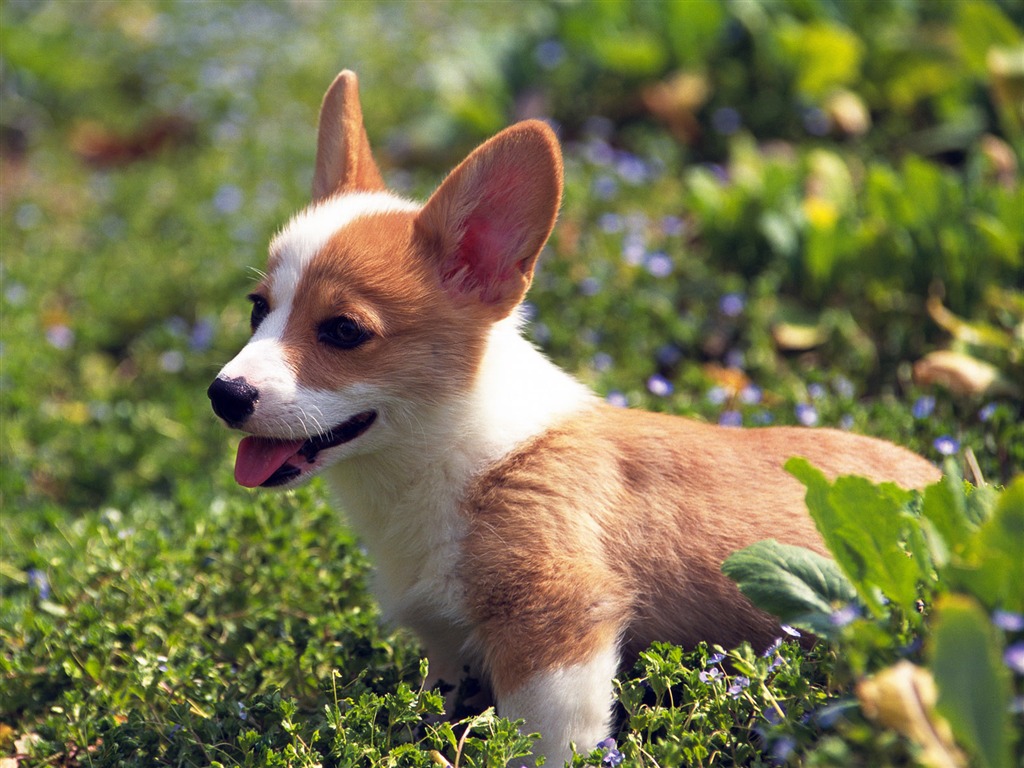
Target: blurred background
<point>777,211</point>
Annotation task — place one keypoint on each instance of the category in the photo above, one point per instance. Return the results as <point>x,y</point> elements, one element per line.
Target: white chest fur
<point>404,499</point>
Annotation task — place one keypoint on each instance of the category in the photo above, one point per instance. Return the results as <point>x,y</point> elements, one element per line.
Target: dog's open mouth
<point>266,462</point>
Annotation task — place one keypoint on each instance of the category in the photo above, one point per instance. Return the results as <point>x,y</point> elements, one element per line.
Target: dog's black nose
<point>233,400</point>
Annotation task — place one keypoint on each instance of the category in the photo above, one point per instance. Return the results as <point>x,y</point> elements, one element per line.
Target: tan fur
<point>617,523</point>
<point>344,162</point>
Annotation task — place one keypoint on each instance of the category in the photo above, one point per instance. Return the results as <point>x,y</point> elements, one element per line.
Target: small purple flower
<point>610,223</point>
<point>751,394</point>
<point>659,264</point>
<point>668,355</point>
<point>549,53</point>
<point>228,199</point>
<point>672,226</point>
<point>602,361</point>
<point>816,121</point>
<point>731,419</point>
<point>612,755</point>
<point>617,399</point>
<point>791,631</point>
<point>715,658</point>
<point>40,582</point>
<point>717,395</point>
<point>605,187</point>
<point>987,412</point>
<point>659,385</point>
<point>202,334</point>
<point>807,414</point>
<point>60,336</point>
<point>633,250</point>
<point>1008,620</point>
<point>923,407</point>
<point>815,391</point>
<point>776,644</point>
<point>844,615</point>
<point>946,445</point>
<point>631,169</point>
<point>709,676</point>
<point>777,662</point>
<point>782,749</point>
<point>739,684</point>
<point>1013,657</point>
<point>844,387</point>
<point>590,286</point>
<point>731,304</point>
<point>846,421</point>
<point>726,121</point>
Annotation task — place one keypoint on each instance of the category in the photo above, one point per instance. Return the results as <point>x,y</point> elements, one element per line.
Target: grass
<point>744,251</point>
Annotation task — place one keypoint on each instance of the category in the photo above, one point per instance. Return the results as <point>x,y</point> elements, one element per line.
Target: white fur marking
<point>570,704</point>
<point>310,229</point>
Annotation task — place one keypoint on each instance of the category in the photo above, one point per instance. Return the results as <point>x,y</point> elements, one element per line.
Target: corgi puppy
<point>531,535</point>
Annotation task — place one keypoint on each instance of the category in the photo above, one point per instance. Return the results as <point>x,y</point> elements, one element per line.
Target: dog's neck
<point>403,499</point>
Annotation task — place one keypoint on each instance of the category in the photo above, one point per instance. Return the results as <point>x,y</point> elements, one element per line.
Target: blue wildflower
<point>726,121</point>
<point>844,615</point>
<point>590,286</point>
<point>708,676</point>
<point>659,264</point>
<point>815,391</point>
<point>987,412</point>
<point>202,334</point>
<point>228,199</point>
<point>60,336</point>
<point>807,414</point>
<point>716,658</point>
<point>751,394</point>
<point>1008,620</point>
<point>717,395</point>
<point>731,419</point>
<point>610,223</point>
<point>605,187</point>
<point>739,684</point>
<point>776,644</point>
<point>617,399</point>
<point>791,631</point>
<point>1013,657</point>
<point>672,225</point>
<point>40,582</point>
<point>659,385</point>
<point>844,387</point>
<point>782,749</point>
<point>816,121</point>
<point>612,755</point>
<point>731,304</point>
<point>923,407</point>
<point>549,53</point>
<point>602,361</point>
<point>946,445</point>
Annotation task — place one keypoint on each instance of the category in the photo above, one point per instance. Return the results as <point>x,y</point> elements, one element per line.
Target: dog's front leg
<point>567,702</point>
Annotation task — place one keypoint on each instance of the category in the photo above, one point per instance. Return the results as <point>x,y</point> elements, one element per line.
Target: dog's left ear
<point>344,162</point>
<point>486,224</point>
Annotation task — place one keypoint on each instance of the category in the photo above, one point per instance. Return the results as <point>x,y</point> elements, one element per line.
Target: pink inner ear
<point>485,259</point>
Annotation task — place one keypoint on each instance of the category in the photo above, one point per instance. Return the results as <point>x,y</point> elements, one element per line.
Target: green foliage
<point>937,571</point>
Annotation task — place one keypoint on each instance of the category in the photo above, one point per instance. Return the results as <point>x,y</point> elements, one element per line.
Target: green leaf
<point>993,567</point>
<point>793,583</point>
<point>865,527</point>
<point>974,692</point>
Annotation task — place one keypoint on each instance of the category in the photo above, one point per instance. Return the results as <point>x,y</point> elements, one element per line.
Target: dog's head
<point>373,307</point>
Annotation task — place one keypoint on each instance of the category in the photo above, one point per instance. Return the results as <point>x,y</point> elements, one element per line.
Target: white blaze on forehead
<point>309,231</point>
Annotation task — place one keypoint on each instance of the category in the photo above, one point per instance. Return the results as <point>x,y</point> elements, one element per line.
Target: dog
<point>530,534</point>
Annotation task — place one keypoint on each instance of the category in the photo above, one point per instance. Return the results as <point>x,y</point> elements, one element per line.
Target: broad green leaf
<point>792,583</point>
<point>865,527</point>
<point>979,27</point>
<point>974,692</point>
<point>694,27</point>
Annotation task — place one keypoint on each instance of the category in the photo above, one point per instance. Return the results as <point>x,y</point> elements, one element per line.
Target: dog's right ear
<point>344,162</point>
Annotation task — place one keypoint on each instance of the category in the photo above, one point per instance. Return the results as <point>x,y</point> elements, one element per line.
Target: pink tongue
<point>259,457</point>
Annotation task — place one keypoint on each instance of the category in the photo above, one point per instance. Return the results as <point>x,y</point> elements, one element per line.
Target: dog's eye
<point>343,333</point>
<point>260,309</point>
